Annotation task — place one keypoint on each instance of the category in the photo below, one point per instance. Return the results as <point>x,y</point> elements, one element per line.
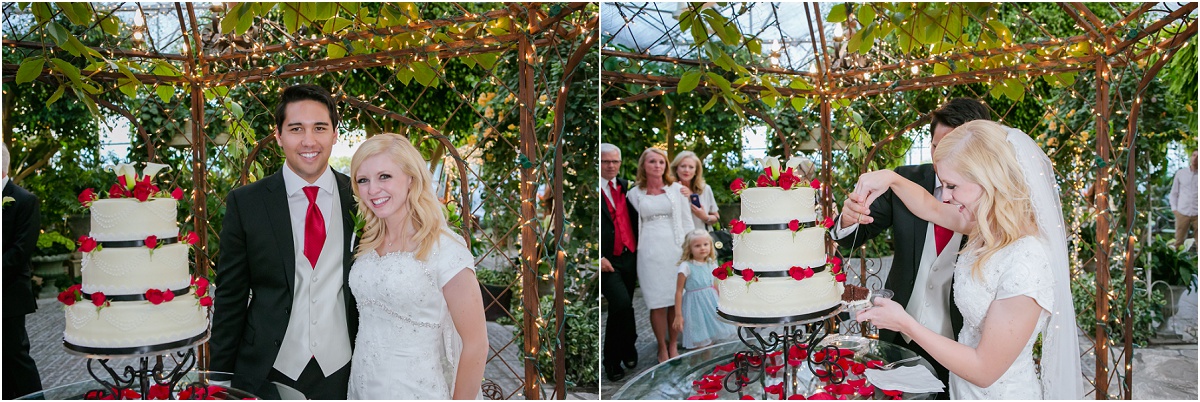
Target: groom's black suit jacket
<point>256,277</point>
<point>909,242</point>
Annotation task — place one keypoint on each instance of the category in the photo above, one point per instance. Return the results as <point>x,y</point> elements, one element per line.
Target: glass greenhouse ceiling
<point>653,28</point>
<point>154,26</point>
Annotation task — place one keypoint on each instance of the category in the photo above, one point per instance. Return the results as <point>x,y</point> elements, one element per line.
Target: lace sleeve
<point>452,258</point>
<point>1027,273</point>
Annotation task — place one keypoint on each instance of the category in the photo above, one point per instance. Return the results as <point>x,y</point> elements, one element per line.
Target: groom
<point>284,312</point>
<point>923,266</point>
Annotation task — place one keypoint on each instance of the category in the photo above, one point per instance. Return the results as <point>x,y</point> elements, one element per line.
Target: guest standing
<point>618,265</point>
<point>22,222</point>
<point>1183,201</point>
<point>690,171</point>
<point>663,220</point>
<point>696,295</point>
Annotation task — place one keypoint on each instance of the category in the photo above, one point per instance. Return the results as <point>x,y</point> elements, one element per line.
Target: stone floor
<point>1159,372</point>
<point>57,367</point>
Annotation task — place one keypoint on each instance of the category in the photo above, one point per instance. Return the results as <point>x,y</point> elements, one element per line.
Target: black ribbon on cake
<point>776,274</point>
<point>137,350</point>
<point>137,243</point>
<point>780,226</point>
<point>779,320</point>
<point>141,297</point>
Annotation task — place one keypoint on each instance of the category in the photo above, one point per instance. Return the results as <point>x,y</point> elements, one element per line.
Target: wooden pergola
<point>839,75</point>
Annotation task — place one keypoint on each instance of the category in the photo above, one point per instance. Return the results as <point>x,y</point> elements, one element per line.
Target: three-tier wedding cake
<point>137,295</point>
<point>780,271</point>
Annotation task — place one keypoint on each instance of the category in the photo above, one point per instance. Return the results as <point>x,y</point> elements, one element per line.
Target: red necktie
<point>314,227</point>
<point>941,236</point>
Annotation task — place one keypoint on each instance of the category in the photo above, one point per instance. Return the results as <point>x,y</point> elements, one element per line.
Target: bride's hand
<point>886,314</point>
<point>873,184</point>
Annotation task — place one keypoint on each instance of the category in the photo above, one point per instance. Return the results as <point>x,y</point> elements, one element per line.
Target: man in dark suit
<point>22,222</point>
<point>923,266</point>
<point>283,311</point>
<point>618,264</point>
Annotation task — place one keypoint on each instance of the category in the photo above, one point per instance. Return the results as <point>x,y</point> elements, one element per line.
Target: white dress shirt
<point>317,326</point>
<point>1183,192</point>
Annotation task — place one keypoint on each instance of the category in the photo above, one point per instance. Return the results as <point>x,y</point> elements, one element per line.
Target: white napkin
<point>905,378</point>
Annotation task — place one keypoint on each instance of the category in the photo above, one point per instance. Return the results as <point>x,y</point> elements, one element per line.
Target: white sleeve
<point>1027,273</point>
<point>451,257</point>
<point>710,199</point>
<point>683,269</point>
<point>1173,199</point>
<point>840,233</point>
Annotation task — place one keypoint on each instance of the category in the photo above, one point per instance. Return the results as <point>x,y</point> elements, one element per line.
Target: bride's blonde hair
<point>979,150</point>
<point>424,210</point>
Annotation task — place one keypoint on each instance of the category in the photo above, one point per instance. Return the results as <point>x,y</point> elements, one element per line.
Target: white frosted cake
<point>137,295</point>
<point>779,245</point>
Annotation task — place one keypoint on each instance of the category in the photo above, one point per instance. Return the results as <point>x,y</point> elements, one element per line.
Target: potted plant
<point>496,287</point>
<point>53,249</point>
<point>1171,269</point>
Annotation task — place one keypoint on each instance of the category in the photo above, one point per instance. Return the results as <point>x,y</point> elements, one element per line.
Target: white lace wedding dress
<point>407,347</point>
<point>1021,269</point>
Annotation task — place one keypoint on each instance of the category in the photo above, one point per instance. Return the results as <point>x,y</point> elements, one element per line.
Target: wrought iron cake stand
<point>143,374</point>
<point>803,331</point>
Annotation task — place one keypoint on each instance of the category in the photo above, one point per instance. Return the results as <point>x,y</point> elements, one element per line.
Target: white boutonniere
<point>7,200</point>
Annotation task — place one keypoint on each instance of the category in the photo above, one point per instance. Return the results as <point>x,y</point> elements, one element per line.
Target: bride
<point>422,333</point>
<point>1011,281</point>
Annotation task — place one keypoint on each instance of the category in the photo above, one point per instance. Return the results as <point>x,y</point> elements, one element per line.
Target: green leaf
<point>67,69</point>
<point>110,26</point>
<point>323,10</point>
<point>868,38</point>
<point>58,33</point>
<point>733,35</point>
<point>91,104</point>
<point>837,13</point>
<point>236,109</point>
<point>487,60</point>
<point>423,73</point>
<point>721,82</point>
<point>770,100</point>
<point>127,87</point>
<point>336,51</point>
<point>800,84</point>
<point>165,92</point>
<point>336,24</point>
<point>58,93</point>
<point>798,103</point>
<point>42,12</point>
<point>291,16</point>
<point>711,102</point>
<point>1001,30</point>
<point>79,13</point>
<point>244,22</point>
<point>30,69</point>
<point>404,74</point>
<point>755,46</point>
<point>688,82</point>
<point>866,14</point>
<point>941,69</point>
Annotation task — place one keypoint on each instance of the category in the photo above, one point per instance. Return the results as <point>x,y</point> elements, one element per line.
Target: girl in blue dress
<point>696,295</point>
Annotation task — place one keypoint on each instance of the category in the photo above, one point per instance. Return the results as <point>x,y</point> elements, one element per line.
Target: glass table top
<point>79,390</point>
<point>672,379</point>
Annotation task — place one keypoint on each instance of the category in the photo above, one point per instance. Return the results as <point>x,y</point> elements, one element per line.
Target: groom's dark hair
<point>957,112</point>
<point>303,92</point>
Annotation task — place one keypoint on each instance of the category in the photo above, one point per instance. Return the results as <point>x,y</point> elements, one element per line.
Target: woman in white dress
<point>663,219</point>
<point>690,171</point>
<point>422,332</point>
<point>1011,280</point>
